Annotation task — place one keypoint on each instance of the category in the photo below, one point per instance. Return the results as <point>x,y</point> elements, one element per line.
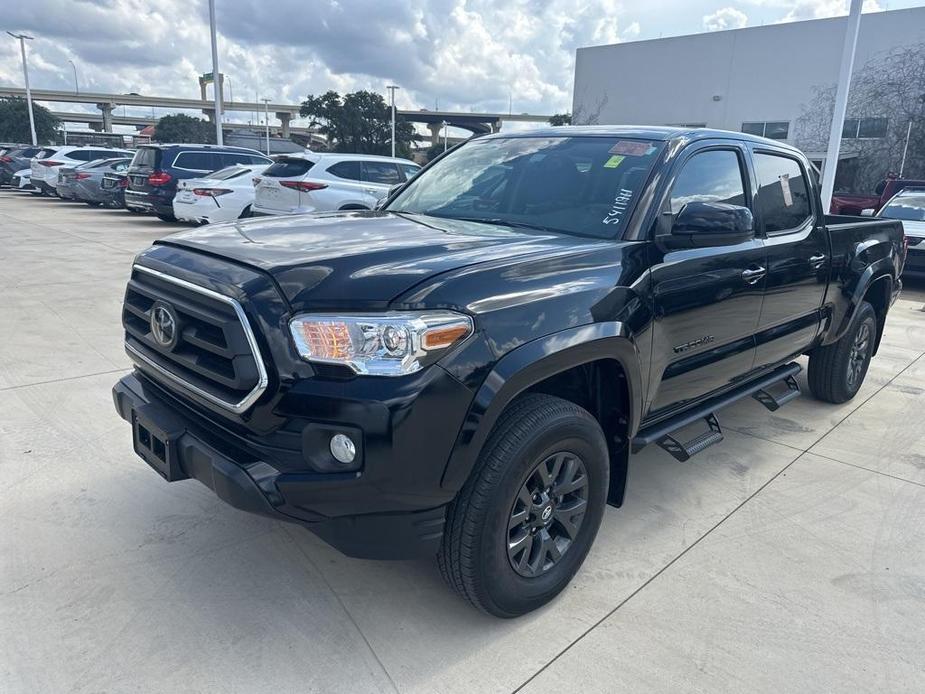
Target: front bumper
<point>915,259</point>
<point>250,479</point>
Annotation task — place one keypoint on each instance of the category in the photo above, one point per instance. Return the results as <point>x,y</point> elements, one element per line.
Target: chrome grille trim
<point>262,378</point>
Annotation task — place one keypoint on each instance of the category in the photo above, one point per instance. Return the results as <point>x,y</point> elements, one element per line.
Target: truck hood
<point>338,259</point>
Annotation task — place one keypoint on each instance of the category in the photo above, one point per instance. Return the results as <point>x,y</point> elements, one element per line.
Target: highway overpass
<point>106,103</point>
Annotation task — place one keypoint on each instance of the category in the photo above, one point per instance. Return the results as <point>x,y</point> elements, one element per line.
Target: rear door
<point>798,256</point>
<point>379,177</point>
<point>706,300</point>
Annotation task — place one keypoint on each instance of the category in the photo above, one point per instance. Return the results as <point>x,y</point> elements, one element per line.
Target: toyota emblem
<point>164,325</point>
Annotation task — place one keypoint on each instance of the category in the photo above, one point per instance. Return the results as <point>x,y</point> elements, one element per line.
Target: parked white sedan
<point>319,182</point>
<point>222,196</point>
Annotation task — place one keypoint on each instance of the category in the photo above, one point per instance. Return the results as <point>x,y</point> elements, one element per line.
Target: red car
<point>886,189</point>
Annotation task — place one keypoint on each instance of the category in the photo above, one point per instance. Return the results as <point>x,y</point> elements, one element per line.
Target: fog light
<point>343,448</point>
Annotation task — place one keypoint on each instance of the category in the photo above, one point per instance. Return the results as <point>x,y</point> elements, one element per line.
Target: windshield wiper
<point>501,221</point>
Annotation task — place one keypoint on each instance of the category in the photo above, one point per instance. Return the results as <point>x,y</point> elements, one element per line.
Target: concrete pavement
<point>790,558</point>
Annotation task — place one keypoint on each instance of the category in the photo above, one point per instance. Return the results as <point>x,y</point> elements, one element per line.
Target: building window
<point>774,129</point>
<point>858,128</point>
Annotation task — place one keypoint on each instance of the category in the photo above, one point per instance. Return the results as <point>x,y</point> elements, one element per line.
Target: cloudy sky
<point>470,55</point>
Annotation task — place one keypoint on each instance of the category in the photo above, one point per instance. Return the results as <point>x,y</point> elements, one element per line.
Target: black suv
<point>155,170</point>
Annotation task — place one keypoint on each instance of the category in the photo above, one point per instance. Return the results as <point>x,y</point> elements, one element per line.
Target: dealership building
<point>777,81</point>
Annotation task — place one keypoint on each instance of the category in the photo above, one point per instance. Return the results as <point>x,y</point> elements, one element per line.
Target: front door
<point>706,300</point>
<point>798,257</point>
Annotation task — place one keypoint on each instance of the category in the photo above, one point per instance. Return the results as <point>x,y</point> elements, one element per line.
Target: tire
<point>245,213</point>
<point>135,210</point>
<point>166,218</point>
<point>93,203</point>
<point>836,372</point>
<point>475,560</point>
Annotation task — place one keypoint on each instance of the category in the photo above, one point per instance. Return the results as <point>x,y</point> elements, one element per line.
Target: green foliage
<point>561,119</point>
<point>14,121</point>
<point>436,150</point>
<point>182,128</point>
<point>360,123</point>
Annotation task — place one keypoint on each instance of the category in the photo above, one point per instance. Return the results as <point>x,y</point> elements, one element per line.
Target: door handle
<point>817,260</point>
<point>753,275</point>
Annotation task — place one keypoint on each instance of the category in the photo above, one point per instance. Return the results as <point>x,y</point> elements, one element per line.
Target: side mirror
<point>392,190</point>
<point>705,224</point>
<point>869,212</point>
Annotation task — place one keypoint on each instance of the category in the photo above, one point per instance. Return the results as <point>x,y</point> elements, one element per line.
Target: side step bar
<point>760,389</point>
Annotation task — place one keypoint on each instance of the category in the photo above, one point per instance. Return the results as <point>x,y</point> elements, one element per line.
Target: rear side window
<point>286,168</point>
<point>349,170</point>
<point>45,153</point>
<point>81,155</point>
<point>198,161</point>
<point>783,195</point>
<point>711,176</point>
<point>381,172</point>
<point>148,157</point>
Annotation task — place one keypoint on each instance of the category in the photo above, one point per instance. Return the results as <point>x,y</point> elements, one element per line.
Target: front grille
<point>215,354</point>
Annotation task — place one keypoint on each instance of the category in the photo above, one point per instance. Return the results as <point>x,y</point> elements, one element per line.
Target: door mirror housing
<point>868,212</point>
<point>706,224</point>
<point>392,190</point>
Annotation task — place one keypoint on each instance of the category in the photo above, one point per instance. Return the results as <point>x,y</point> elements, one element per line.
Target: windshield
<point>908,207</point>
<point>583,185</point>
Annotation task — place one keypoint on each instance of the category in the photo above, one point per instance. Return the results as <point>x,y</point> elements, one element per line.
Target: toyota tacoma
<point>466,371</point>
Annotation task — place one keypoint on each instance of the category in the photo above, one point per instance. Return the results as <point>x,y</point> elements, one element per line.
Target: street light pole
<point>841,103</point>
<point>76,87</point>
<point>266,120</point>
<point>216,76</point>
<point>25,73</point>
<point>392,89</point>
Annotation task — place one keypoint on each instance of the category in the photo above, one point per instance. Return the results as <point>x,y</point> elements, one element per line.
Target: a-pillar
<point>284,118</point>
<point>435,129</point>
<point>107,116</point>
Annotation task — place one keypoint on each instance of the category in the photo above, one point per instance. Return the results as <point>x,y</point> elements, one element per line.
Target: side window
<point>197,161</point>
<point>80,155</point>
<point>346,169</point>
<point>711,176</point>
<point>783,195</point>
<point>383,172</point>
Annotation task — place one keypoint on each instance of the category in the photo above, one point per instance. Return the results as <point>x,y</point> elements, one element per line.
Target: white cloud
<point>725,18</point>
<point>798,10</point>
<point>465,54</point>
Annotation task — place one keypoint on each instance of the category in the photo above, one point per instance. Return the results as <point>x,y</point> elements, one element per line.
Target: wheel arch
<point>573,364</point>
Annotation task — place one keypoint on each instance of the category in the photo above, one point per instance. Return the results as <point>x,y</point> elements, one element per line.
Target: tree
<point>14,121</point>
<point>891,85</point>
<point>360,123</point>
<point>561,119</point>
<point>182,128</point>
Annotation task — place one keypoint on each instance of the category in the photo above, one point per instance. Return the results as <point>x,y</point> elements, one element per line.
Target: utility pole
<point>76,86</point>
<point>392,89</point>
<point>841,103</point>
<point>25,73</point>
<point>216,76</point>
<point>266,120</point>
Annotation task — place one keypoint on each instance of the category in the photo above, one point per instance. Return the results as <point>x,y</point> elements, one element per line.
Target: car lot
<point>789,558</point>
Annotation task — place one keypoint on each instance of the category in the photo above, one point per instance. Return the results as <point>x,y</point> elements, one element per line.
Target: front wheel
<point>836,371</point>
<point>523,523</point>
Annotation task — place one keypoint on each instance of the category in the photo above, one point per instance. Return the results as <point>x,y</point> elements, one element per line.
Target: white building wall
<point>758,73</point>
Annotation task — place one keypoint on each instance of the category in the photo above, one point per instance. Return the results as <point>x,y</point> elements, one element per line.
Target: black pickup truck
<point>466,371</point>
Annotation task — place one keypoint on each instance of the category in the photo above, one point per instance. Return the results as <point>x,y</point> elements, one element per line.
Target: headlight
<point>386,344</point>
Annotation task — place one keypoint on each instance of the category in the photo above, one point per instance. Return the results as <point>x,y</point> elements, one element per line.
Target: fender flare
<point>876,271</point>
<point>531,363</point>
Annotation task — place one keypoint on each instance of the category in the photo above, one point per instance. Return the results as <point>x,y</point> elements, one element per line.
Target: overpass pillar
<point>107,116</point>
<point>495,125</point>
<point>435,129</point>
<point>284,118</point>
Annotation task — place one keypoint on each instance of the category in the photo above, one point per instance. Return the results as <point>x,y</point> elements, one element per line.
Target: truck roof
<point>648,132</point>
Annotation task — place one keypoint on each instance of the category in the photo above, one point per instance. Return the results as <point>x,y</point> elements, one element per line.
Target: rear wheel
<point>93,203</point>
<point>166,217</point>
<point>523,523</point>
<point>836,371</point>
<point>135,210</point>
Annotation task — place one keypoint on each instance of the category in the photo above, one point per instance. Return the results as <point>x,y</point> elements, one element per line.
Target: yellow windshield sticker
<point>613,162</point>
